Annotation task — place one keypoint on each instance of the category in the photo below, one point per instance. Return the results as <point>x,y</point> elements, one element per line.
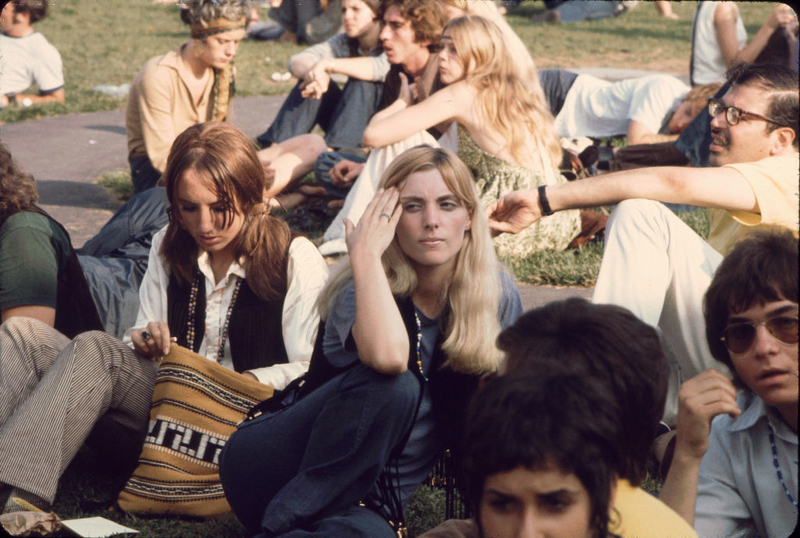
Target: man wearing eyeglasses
<point>738,475</point>
<point>653,263</point>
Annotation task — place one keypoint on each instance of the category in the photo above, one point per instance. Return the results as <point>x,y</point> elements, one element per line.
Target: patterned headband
<point>217,26</point>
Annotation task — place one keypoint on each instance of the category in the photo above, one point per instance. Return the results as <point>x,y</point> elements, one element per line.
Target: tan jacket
<point>160,107</point>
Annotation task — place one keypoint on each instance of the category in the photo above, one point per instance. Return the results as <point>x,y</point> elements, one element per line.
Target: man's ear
<point>782,138</point>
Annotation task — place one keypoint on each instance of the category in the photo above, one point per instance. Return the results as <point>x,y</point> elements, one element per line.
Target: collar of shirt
<point>754,410</point>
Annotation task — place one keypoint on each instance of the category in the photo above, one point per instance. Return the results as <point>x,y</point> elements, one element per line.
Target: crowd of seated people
<point>444,148</point>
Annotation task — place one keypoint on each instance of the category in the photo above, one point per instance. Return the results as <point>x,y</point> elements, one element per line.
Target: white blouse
<point>307,274</point>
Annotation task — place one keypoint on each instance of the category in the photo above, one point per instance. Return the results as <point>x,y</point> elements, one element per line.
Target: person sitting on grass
<point>193,84</point>
<point>407,336</point>
<point>653,263</point>
<point>27,57</point>
<point>607,346</point>
<point>342,113</point>
<point>737,475</point>
<point>226,279</point>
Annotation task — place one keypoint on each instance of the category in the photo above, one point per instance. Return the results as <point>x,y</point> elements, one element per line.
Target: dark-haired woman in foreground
<point>225,278</point>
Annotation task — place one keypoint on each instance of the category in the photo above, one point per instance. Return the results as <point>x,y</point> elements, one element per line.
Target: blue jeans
<point>305,468</point>
<point>114,261</point>
<point>143,174</point>
<point>322,168</point>
<point>583,10</point>
<point>342,113</point>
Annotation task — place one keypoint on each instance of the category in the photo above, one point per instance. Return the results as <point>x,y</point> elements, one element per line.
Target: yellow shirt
<point>637,514</point>
<point>774,181</point>
<point>160,107</point>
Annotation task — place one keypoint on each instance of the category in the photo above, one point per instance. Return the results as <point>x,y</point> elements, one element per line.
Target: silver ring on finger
<point>387,215</point>
<point>146,336</point>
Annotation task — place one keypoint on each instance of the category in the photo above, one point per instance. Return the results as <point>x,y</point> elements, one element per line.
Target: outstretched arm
<point>712,187</point>
<point>701,399</point>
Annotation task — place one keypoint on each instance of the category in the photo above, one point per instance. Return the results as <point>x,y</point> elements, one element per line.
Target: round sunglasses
<point>739,337</point>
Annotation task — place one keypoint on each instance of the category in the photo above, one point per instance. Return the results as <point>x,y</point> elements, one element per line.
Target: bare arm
<point>57,96</point>
<point>400,120</point>
<point>317,77</point>
<point>639,134</point>
<point>45,314</point>
<point>712,187</point>
<point>701,399</point>
<point>378,330</point>
<point>725,17</point>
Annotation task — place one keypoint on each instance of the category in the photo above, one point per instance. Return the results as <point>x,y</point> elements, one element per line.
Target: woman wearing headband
<point>225,278</point>
<point>192,84</point>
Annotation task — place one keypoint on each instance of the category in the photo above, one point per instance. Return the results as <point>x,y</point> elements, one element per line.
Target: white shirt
<point>27,60</point>
<point>707,63</point>
<point>307,274</point>
<point>597,108</point>
<point>739,493</point>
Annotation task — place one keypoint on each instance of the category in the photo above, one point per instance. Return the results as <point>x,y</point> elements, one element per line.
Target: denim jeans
<point>322,168</point>
<point>143,174</point>
<point>342,113</point>
<point>299,470</point>
<point>556,84</point>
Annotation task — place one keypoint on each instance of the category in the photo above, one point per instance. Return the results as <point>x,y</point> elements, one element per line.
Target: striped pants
<point>54,392</point>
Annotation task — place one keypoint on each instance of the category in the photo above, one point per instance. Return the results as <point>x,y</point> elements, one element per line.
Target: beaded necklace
<point>777,465</point>
<point>419,346</point>
<point>193,311</point>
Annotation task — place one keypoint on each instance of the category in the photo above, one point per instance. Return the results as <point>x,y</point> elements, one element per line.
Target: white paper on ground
<point>96,527</point>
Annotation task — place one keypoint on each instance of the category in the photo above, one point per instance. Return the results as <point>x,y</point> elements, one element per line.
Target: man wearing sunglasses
<point>738,475</point>
<point>653,263</point>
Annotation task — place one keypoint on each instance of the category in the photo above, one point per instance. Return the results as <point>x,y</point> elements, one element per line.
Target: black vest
<point>75,308</point>
<point>255,329</point>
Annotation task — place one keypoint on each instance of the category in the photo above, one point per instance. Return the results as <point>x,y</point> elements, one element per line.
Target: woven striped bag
<point>197,404</point>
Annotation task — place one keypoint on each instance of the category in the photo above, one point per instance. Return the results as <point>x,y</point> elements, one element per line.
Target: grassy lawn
<point>108,41</point>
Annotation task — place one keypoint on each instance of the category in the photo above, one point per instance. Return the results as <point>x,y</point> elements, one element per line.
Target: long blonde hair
<point>505,101</point>
<point>523,61</point>
<point>472,325</point>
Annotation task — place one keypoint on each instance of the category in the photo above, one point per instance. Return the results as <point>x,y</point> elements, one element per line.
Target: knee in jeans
<point>402,391</point>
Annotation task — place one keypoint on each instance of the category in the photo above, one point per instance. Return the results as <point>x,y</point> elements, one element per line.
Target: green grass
<point>118,183</point>
<point>108,41</point>
<point>579,267</point>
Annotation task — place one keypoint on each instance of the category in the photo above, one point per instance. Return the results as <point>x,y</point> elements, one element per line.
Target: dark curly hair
<point>17,187</point>
<point>427,18</point>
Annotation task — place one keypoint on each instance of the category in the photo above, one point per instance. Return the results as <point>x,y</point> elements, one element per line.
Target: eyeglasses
<point>739,337</point>
<point>732,114</point>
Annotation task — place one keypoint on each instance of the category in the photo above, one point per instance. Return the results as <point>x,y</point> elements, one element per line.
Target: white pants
<point>659,268</point>
<point>52,394</point>
<point>363,190</point>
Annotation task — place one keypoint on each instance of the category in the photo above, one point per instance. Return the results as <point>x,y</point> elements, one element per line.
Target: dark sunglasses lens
<point>739,338</point>
<point>784,329</point>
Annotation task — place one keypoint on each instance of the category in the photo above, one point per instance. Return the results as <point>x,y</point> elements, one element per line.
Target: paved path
<point>66,154</point>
